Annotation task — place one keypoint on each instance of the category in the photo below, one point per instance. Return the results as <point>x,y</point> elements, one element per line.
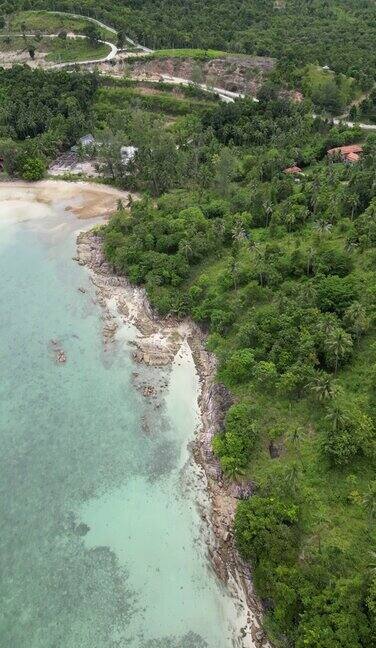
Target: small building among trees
<point>86,141</point>
<point>293,170</point>
<point>350,153</point>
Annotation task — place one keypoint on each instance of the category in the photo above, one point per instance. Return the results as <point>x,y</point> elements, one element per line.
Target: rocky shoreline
<point>156,345</point>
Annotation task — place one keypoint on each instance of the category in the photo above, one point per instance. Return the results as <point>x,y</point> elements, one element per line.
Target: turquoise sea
<point>102,543</point>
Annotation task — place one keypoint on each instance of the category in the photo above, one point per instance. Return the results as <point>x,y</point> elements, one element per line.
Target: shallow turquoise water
<point>101,543</point>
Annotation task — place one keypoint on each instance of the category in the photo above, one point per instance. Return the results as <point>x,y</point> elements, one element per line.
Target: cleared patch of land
<point>76,50</point>
<point>50,23</point>
<point>158,100</point>
<point>328,90</point>
<point>193,53</point>
<point>243,74</point>
<point>15,49</point>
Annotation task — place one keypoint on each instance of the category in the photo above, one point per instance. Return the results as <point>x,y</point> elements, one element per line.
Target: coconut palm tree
<point>353,202</point>
<point>322,226</point>
<point>234,269</point>
<point>369,500</point>
<point>238,234</point>
<point>336,416</point>
<point>259,252</point>
<point>268,210</point>
<point>322,386</point>
<point>185,248</point>
<point>291,477</point>
<point>296,435</point>
<point>356,319</point>
<point>290,220</point>
<point>339,345</point>
<point>372,562</point>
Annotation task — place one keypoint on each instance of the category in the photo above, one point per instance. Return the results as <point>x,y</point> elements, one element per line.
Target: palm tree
<point>220,229</point>
<point>296,436</point>
<point>234,270</point>
<point>290,220</point>
<point>353,201</point>
<point>268,209</point>
<point>320,527</point>
<point>309,293</point>
<point>356,319</point>
<point>185,248</point>
<point>351,246</point>
<point>238,233</point>
<point>261,261</point>
<point>369,500</point>
<point>180,307</point>
<point>339,344</point>
<point>291,477</point>
<point>336,417</point>
<point>322,386</point>
<point>372,562</point>
<point>322,226</point>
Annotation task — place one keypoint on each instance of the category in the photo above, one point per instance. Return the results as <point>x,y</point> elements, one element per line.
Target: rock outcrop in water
<point>58,351</point>
<point>157,345</point>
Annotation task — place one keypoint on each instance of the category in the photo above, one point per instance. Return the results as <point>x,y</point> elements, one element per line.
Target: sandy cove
<point>157,343</point>
<point>85,200</point>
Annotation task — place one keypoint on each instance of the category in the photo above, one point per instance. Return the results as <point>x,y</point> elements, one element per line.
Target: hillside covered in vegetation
<point>279,270</point>
<point>248,226</point>
<point>41,114</point>
<point>339,33</point>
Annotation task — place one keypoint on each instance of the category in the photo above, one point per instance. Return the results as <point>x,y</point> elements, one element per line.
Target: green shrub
<point>235,444</point>
<point>33,169</point>
<point>239,366</point>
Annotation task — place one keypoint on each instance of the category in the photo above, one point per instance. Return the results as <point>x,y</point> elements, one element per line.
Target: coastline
<point>100,199</point>
<point>157,343</point>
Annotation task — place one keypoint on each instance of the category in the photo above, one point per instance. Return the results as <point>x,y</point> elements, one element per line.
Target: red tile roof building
<point>350,153</point>
<point>293,170</point>
<point>352,157</point>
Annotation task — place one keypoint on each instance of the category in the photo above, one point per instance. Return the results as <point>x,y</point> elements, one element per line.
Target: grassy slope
<point>193,53</point>
<point>333,512</point>
<point>76,50</point>
<point>314,77</point>
<point>50,23</point>
<point>58,50</point>
<point>111,99</point>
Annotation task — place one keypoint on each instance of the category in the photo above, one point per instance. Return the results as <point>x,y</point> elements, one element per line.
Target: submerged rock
<point>81,529</point>
<point>149,390</point>
<point>59,353</point>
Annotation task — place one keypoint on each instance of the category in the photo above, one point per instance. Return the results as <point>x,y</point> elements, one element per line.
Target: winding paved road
<point>101,24</point>
<point>224,95</point>
<point>112,53</point>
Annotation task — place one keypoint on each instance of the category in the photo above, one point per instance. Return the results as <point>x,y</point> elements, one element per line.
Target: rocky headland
<point>156,344</point>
